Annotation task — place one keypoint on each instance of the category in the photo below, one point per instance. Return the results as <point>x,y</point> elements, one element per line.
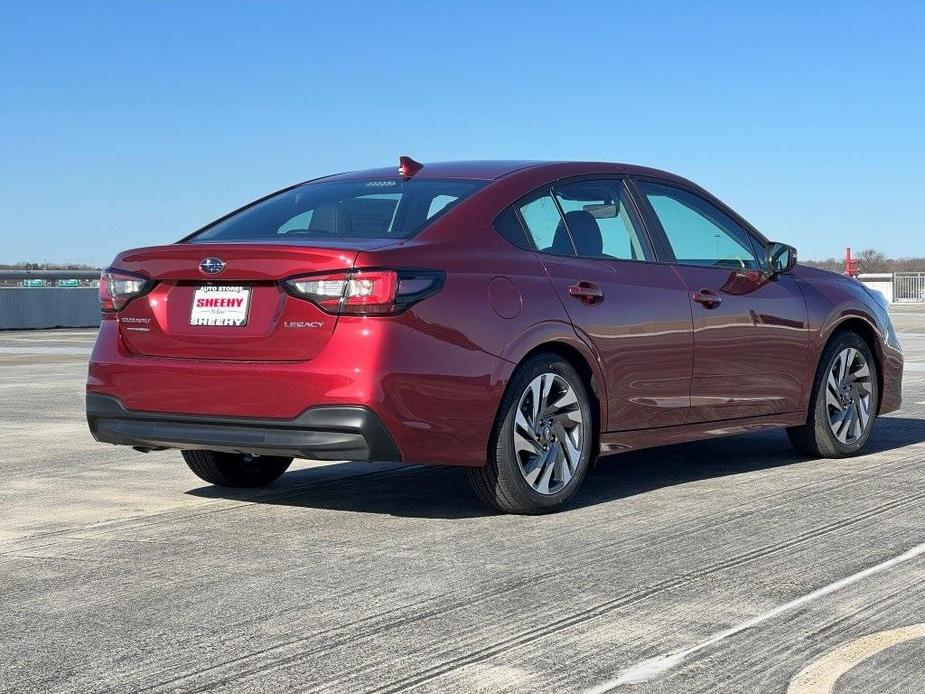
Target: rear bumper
<point>436,399</point>
<point>319,433</point>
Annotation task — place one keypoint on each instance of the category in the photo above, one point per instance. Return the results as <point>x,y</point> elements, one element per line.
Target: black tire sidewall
<point>827,442</point>
<point>510,477</point>
<point>231,469</point>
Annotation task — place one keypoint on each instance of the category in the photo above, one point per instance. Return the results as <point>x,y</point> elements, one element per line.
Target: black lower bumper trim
<point>319,433</point>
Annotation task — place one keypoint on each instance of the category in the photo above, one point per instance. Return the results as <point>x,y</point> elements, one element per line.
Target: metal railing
<point>909,287</point>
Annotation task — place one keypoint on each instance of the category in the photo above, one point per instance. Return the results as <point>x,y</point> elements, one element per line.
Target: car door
<point>750,329</point>
<point>634,312</point>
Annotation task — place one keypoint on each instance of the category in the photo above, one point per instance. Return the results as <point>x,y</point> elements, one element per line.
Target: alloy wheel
<point>548,433</point>
<point>848,395</point>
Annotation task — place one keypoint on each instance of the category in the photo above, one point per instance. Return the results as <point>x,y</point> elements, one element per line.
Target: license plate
<point>220,305</point>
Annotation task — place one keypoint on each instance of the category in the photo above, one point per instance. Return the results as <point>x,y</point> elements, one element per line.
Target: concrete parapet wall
<point>49,307</point>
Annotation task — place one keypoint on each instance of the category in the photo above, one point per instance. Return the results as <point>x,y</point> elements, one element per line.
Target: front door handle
<point>586,292</point>
<point>708,298</point>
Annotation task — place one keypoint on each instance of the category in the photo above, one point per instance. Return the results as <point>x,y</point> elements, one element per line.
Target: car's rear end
<point>288,329</point>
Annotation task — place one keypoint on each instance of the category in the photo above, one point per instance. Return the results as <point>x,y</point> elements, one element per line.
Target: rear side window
<point>372,209</point>
<point>699,233</point>
<point>598,219</point>
<point>544,225</point>
<point>508,225</point>
<point>597,222</point>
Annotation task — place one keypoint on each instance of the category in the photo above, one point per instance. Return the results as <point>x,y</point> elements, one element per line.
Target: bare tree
<point>871,260</point>
<point>833,264</point>
<point>45,266</point>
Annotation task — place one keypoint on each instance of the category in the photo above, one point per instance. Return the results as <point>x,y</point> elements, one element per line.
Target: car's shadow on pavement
<point>439,492</point>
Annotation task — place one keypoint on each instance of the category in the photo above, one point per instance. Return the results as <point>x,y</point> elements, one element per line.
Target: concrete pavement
<point>122,572</point>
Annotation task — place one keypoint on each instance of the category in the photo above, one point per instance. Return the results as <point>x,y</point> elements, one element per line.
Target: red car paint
<point>667,363</point>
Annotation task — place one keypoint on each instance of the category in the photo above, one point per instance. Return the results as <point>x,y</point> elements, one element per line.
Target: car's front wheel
<point>844,401</point>
<point>236,469</point>
<point>542,441</point>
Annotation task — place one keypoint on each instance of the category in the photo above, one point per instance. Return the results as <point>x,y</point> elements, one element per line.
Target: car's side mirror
<point>780,257</point>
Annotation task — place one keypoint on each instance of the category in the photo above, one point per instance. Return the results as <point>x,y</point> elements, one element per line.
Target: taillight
<point>117,288</point>
<point>366,292</point>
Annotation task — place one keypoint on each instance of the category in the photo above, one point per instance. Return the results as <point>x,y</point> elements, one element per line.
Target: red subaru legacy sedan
<point>515,318</point>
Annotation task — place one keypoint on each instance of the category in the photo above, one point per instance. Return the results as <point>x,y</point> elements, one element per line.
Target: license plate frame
<point>234,315</point>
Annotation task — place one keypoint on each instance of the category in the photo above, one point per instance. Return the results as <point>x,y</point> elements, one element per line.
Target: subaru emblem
<point>212,266</point>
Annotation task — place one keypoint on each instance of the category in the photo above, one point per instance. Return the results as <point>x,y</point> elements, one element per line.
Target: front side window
<point>598,220</point>
<point>374,209</point>
<point>699,233</point>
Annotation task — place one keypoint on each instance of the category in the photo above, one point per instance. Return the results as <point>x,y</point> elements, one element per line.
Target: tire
<point>235,469</point>
<point>827,434</point>
<point>553,451</point>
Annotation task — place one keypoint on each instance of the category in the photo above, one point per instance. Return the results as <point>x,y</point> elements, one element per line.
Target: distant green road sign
<point>68,283</point>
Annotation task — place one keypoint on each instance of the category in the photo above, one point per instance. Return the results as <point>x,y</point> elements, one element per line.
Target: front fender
<point>833,302</point>
<point>846,312</point>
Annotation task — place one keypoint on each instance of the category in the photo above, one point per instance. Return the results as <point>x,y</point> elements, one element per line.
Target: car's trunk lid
<point>240,313</point>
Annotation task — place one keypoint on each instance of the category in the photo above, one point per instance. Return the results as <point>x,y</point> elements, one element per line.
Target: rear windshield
<point>366,209</point>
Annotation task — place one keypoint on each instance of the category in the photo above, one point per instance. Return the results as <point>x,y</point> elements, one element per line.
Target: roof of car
<point>494,169</point>
<point>487,170</point>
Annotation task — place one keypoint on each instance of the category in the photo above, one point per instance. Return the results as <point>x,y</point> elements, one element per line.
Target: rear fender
<point>560,332</point>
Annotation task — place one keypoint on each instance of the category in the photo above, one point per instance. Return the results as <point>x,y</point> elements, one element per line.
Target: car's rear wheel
<point>844,401</point>
<point>236,469</point>
<point>542,441</point>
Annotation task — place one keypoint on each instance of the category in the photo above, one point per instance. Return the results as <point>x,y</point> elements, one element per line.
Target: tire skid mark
<point>536,633</point>
<point>604,608</point>
<point>466,601</point>
<point>591,552</point>
<point>908,585</point>
<point>858,477</point>
<point>745,674</point>
<point>373,630</point>
<point>177,514</point>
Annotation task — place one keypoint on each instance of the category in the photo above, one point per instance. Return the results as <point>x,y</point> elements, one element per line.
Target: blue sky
<point>132,123</point>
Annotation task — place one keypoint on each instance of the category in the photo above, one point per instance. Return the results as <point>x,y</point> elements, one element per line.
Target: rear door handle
<point>586,292</point>
<point>708,298</point>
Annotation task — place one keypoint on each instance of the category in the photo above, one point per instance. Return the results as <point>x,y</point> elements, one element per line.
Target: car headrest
<point>585,233</point>
<point>561,243</point>
<point>324,219</point>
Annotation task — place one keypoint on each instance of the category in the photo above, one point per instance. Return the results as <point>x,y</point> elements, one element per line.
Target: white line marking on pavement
<point>653,667</point>
<point>913,366</point>
<point>820,676</point>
